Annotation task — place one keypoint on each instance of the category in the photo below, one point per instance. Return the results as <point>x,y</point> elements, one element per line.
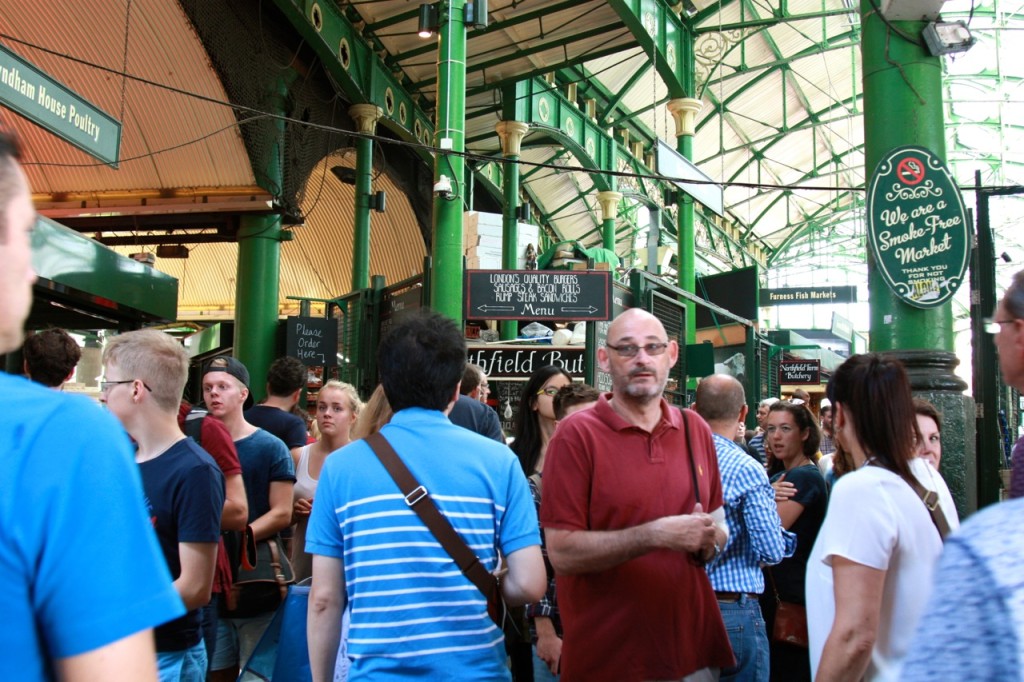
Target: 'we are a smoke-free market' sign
<point>917,227</point>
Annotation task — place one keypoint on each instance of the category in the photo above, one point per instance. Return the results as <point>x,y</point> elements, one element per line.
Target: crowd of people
<point>640,542</point>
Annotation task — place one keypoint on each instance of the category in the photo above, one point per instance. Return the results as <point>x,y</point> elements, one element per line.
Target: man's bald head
<point>632,318</point>
<point>638,354</point>
<point>720,398</point>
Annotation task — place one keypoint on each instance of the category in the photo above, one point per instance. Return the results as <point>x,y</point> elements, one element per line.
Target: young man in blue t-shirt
<point>58,451</point>
<point>415,615</point>
<point>144,375</point>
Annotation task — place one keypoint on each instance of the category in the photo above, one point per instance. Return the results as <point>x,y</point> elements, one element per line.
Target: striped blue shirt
<point>756,536</point>
<point>414,614</point>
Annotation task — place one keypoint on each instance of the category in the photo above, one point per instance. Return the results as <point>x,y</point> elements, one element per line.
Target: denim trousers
<point>749,641</point>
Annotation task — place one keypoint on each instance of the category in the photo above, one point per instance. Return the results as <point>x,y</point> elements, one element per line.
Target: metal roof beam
<point>359,71</point>
<point>665,36</point>
<point>769,22</point>
<point>494,26</point>
<point>520,53</point>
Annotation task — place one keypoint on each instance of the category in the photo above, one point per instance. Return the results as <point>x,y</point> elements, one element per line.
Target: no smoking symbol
<point>910,171</point>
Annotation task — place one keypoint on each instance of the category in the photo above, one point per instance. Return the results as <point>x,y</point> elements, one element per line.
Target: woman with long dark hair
<point>792,438</point>
<point>535,422</point>
<point>870,572</point>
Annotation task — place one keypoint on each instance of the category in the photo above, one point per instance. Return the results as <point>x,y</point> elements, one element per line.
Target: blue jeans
<point>749,641</point>
<point>188,665</point>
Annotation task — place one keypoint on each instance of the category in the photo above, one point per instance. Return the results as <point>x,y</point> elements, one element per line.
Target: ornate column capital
<point>511,134</point>
<point>366,117</point>
<point>609,204</point>
<point>684,111</point>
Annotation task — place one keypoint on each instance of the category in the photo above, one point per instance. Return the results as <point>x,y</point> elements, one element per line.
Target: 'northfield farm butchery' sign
<point>917,227</point>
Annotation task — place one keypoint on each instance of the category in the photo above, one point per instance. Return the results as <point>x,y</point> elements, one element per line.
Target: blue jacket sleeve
<point>966,632</point>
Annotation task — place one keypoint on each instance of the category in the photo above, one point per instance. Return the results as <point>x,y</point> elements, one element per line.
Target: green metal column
<point>511,134</point>
<point>257,296</point>
<point>365,117</point>
<point>684,111</point>
<point>446,288</point>
<point>259,261</point>
<point>903,106</point>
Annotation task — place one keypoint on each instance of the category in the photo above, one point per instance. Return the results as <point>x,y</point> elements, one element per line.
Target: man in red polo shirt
<point>626,532</point>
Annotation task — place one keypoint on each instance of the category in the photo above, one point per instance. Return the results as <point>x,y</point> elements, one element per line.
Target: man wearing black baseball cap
<point>269,475</point>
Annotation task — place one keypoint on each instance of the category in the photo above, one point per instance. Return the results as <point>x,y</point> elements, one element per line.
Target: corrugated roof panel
<point>162,143</point>
<point>317,263</point>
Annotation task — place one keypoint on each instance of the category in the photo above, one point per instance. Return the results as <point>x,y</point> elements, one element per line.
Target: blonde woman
<point>374,415</point>
<point>337,407</point>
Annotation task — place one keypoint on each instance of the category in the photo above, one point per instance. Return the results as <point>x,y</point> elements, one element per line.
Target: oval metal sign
<point>917,227</point>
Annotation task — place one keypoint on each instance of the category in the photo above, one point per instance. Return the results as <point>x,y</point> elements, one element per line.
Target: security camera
<point>443,187</point>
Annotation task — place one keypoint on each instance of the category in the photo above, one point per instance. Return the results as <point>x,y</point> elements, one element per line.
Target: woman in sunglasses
<point>870,572</point>
<point>535,422</point>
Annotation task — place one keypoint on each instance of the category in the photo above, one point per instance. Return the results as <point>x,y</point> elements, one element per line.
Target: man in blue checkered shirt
<point>756,536</point>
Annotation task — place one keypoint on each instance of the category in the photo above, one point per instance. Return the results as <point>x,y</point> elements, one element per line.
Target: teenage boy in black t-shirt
<point>144,375</point>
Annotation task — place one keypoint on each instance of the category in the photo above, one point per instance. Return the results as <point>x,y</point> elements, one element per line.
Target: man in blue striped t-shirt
<point>756,536</point>
<point>414,615</point>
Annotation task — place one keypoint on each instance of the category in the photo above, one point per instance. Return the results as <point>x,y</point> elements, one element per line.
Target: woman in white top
<point>870,572</point>
<point>337,407</point>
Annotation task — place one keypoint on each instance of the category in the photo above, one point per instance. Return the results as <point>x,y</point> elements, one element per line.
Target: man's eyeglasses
<point>107,385</point>
<point>994,326</point>
<point>629,350</point>
<point>549,391</point>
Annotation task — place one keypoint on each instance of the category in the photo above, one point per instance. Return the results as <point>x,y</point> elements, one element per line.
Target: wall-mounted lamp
<point>476,13</point>
<point>947,37</point>
<point>347,176</point>
<point>377,201</point>
<point>428,20</point>
<point>523,213</point>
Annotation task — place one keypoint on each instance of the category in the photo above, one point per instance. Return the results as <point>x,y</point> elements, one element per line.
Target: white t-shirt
<point>875,519</point>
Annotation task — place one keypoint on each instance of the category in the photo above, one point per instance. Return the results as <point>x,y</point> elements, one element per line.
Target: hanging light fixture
<point>428,20</point>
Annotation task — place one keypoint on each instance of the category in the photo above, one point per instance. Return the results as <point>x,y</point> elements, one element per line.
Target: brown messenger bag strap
<point>931,503</point>
<point>275,562</point>
<point>418,498</point>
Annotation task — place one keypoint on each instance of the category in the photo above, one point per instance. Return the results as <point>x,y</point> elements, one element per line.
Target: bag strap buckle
<point>416,496</point>
<point>931,500</point>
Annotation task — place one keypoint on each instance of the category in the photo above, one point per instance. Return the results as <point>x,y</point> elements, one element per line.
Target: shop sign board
<point>800,372</point>
<point>538,295</point>
<point>805,295</point>
<point>44,101</point>
<point>917,227</point>
<point>313,340</point>
<point>518,362</point>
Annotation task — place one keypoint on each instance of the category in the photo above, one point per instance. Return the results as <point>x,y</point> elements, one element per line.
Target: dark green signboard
<point>917,227</point>
<point>42,100</point>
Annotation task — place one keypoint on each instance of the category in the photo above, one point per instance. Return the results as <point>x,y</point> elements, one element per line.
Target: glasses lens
<point>992,327</point>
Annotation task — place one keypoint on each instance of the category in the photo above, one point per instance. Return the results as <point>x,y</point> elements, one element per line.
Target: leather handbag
<point>790,623</point>
<point>419,500</point>
<point>261,585</point>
